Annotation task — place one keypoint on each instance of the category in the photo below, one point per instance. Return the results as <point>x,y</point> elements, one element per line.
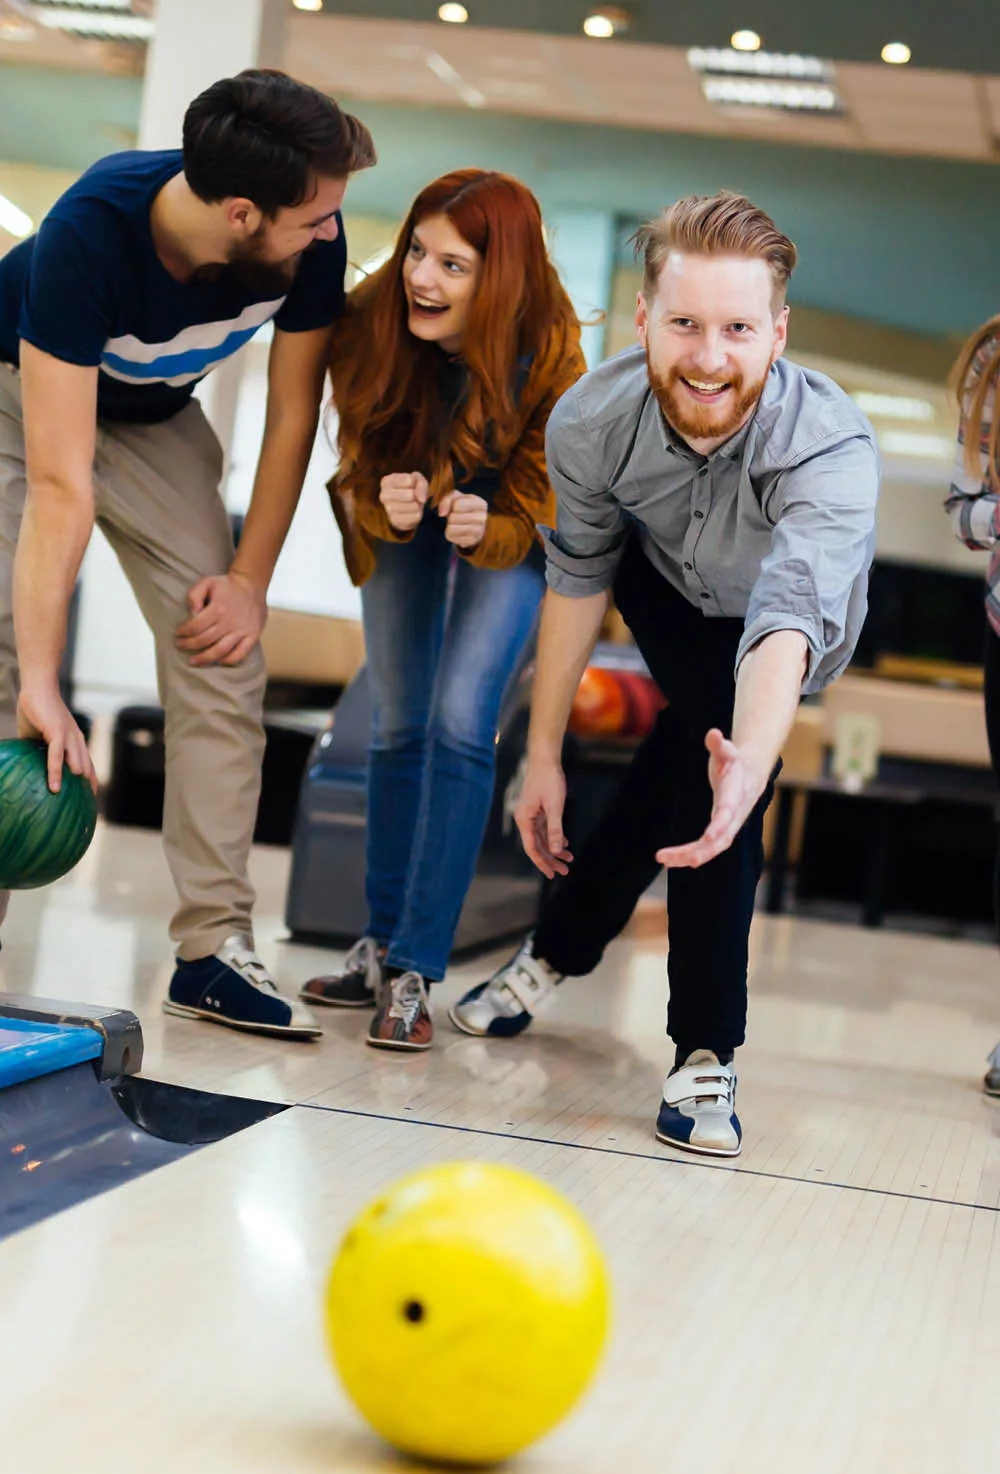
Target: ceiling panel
<point>625,84</point>
<point>962,35</point>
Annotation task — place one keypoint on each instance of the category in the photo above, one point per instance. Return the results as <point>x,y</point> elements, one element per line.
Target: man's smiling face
<point>711,332</point>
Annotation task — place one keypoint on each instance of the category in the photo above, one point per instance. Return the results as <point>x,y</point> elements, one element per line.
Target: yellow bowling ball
<point>466,1311</point>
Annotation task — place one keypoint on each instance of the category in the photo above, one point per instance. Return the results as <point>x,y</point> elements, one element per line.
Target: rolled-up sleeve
<point>583,549</point>
<point>815,577</point>
<point>974,511</point>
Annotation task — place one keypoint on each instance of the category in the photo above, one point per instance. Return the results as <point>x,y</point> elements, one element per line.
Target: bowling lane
<point>863,1064</point>
<point>175,1322</point>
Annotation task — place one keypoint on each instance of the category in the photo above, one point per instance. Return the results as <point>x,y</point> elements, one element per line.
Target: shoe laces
<point>361,955</point>
<point>408,997</point>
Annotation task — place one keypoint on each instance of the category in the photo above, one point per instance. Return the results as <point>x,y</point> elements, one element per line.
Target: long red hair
<point>385,381</point>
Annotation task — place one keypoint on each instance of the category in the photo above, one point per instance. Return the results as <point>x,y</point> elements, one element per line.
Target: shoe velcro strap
<point>529,984</point>
<point>698,1081</point>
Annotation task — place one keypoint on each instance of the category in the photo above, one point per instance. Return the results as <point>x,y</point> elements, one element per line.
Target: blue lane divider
<point>29,1049</point>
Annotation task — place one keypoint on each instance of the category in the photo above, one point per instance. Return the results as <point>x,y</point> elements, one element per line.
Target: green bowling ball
<point>42,834</point>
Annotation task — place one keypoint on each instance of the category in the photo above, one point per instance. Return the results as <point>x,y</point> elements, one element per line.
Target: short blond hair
<point>723,224</point>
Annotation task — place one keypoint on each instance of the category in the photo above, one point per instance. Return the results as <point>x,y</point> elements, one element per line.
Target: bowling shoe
<point>235,988</point>
<point>356,985</point>
<point>507,1002</point>
<point>698,1110</point>
<point>402,1015</point>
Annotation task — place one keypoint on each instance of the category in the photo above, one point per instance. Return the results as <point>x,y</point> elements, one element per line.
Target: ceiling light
<point>913,443</point>
<point>455,15</point>
<point>103,25</point>
<point>720,60</point>
<point>766,79</point>
<point>797,97</point>
<point>893,406</point>
<point>745,41</point>
<point>308,4</point>
<point>896,53</point>
<point>14,221</point>
<point>608,20</point>
<point>89,4</point>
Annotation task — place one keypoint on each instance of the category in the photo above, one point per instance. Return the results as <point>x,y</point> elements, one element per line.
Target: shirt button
<point>703,471</point>
<point>706,596</point>
<point>699,515</point>
<point>688,567</point>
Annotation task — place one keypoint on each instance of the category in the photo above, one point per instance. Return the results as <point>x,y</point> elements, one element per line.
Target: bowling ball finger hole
<point>414,1312</point>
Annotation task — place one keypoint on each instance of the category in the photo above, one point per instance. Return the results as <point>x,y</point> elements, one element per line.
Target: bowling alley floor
<point>829,1303</point>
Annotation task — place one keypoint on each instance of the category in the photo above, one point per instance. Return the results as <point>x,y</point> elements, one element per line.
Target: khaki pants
<point>157,502</point>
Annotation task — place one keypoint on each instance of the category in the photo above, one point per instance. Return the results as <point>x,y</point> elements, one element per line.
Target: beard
<point>251,269</point>
<point>693,421</point>
<point>256,274</point>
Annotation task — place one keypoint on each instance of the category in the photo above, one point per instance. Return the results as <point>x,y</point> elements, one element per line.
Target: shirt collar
<point>730,450</point>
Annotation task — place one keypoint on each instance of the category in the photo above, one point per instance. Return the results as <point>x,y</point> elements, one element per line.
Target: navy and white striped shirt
<point>973,502</point>
<point>90,289</point>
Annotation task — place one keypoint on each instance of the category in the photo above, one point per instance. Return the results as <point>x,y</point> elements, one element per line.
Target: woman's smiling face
<point>441,273</point>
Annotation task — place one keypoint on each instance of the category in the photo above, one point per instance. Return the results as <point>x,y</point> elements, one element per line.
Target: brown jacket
<point>524,498</point>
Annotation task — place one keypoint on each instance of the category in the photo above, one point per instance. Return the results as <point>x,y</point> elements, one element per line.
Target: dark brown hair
<point>264,137</point>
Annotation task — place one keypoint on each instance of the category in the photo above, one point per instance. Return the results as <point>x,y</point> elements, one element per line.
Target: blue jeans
<point>443,640</point>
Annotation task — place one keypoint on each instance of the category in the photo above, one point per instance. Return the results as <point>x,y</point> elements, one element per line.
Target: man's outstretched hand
<point>737,783</point>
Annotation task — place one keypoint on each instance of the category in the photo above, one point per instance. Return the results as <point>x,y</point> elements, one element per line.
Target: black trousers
<point>665,798</point>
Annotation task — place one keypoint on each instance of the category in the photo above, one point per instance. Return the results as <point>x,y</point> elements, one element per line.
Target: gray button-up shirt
<point>776,527</point>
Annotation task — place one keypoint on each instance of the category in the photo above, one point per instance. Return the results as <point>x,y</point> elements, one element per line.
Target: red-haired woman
<point>974,504</point>
<point>444,370</point>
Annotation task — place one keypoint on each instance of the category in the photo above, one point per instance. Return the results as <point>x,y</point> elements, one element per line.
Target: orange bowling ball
<point>600,706</point>
<point>644,700</point>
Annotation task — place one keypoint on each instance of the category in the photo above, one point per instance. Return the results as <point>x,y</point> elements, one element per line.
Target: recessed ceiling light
<point>796,97</point>
<point>893,406</point>
<point>454,14</point>
<point>14,221</point>
<point>609,20</point>
<point>721,61</point>
<point>106,23</point>
<point>896,53</point>
<point>119,5</point>
<point>745,41</point>
<point>766,79</point>
<point>914,443</point>
<point>308,4</point>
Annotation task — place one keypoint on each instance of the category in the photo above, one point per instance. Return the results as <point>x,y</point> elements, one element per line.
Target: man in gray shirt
<point>728,499</point>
